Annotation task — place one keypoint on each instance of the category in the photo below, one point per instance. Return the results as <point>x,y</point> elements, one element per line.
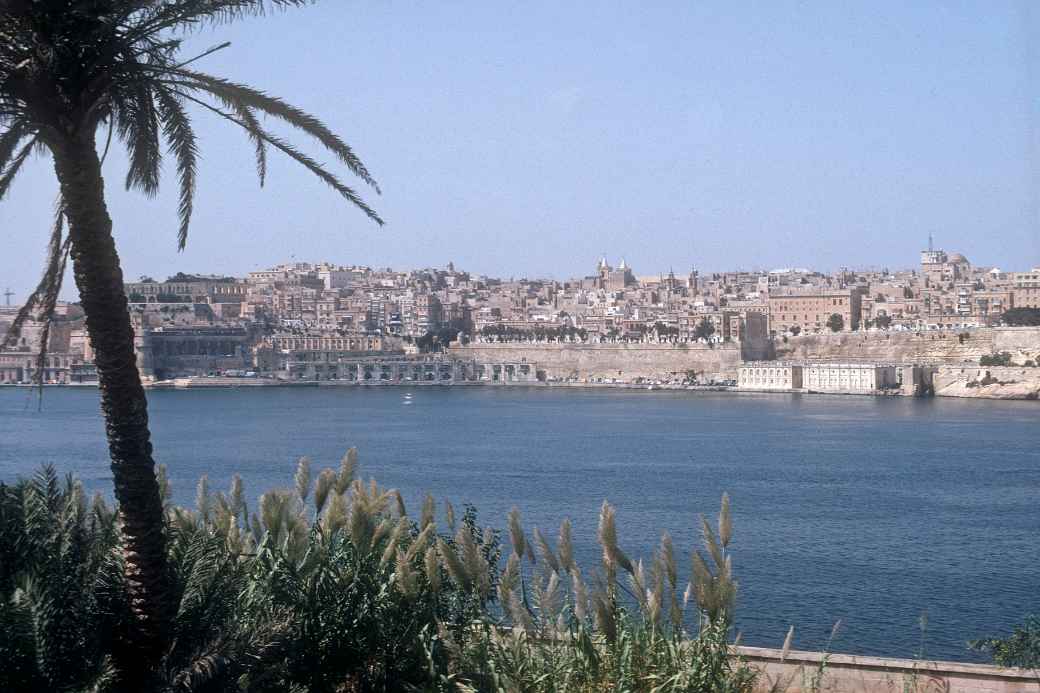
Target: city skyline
<point>10,296</point>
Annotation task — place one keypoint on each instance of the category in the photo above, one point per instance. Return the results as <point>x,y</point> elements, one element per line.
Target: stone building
<point>810,310</point>
<point>850,377</point>
<point>188,289</point>
<point>284,352</point>
<point>1025,289</point>
<point>22,367</point>
<point>943,271</point>
<point>614,279</point>
<point>167,352</point>
<point>770,375</point>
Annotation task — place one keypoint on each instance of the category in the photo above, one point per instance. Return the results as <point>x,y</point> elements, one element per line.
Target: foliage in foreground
<point>1020,649</point>
<point>333,586</point>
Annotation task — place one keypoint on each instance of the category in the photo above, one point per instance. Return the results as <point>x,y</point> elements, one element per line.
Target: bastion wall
<point>987,382</point>
<point>622,361</point>
<point>949,347</point>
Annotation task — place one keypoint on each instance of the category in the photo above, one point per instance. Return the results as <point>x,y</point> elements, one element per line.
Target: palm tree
<point>70,69</point>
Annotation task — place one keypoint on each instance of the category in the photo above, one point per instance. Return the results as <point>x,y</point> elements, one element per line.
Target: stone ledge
<point>869,674</point>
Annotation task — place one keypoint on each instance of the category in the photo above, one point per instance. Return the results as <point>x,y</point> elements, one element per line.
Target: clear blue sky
<point>529,138</point>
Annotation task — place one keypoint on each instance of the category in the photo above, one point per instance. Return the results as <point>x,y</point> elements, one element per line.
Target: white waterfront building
<point>769,375</point>
<point>849,377</point>
<point>818,376</point>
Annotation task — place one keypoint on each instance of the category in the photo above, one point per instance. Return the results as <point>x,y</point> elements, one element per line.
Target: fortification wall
<point>623,361</point>
<point>987,382</point>
<point>914,347</point>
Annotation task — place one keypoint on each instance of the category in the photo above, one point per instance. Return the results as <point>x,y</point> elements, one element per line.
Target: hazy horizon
<point>531,141</point>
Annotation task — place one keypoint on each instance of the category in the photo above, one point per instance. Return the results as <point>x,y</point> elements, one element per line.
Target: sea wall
<point>881,675</point>
<point>948,347</point>
<point>988,382</point>
<point>622,361</point>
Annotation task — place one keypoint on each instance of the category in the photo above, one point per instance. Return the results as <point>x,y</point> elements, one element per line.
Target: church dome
<point>958,259</point>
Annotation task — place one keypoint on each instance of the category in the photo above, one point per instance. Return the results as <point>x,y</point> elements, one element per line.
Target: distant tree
<point>796,330</point>
<point>704,329</point>
<point>836,322</point>
<point>883,321</point>
<point>1019,317</point>
<point>908,292</point>
<point>1002,358</point>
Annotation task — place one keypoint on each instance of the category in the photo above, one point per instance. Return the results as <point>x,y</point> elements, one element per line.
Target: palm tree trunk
<point>99,279</point>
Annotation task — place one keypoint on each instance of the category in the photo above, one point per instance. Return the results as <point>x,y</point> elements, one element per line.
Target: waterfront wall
<point>622,361</point>
<point>988,382</point>
<point>948,347</point>
<point>882,675</point>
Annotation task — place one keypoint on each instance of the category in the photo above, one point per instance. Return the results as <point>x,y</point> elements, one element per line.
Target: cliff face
<point>622,361</point>
<point>987,382</point>
<point>914,347</point>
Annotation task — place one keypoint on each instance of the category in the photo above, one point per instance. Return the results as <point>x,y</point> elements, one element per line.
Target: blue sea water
<point>867,510</point>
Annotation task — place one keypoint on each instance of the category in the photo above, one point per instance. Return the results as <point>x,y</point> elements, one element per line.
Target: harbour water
<point>868,510</point>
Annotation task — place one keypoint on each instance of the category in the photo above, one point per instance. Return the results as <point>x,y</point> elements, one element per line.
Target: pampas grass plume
<point>516,532</point>
<point>565,547</point>
<point>322,487</point>
<point>303,478</point>
<point>347,470</point>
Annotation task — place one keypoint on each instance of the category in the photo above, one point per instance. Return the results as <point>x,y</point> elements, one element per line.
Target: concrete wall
<point>623,361</point>
<point>849,673</point>
<point>913,347</point>
<point>988,382</point>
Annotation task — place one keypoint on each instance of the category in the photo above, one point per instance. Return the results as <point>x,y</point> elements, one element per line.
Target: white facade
<point>849,377</point>
<point>769,375</point>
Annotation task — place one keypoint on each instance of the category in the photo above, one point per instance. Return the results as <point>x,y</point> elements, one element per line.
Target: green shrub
<point>1002,358</point>
<point>1020,649</point>
<point>332,586</point>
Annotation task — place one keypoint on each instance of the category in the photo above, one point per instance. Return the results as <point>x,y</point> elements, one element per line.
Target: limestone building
<point>1026,288</point>
<point>849,377</point>
<point>810,310</point>
<point>769,375</point>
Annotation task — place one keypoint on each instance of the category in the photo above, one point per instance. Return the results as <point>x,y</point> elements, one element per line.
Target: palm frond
<point>138,126</point>
<point>14,166</point>
<point>253,98</point>
<point>42,302</point>
<point>252,128</point>
<point>9,142</point>
<point>181,139</point>
<point>188,14</point>
<point>298,156</point>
